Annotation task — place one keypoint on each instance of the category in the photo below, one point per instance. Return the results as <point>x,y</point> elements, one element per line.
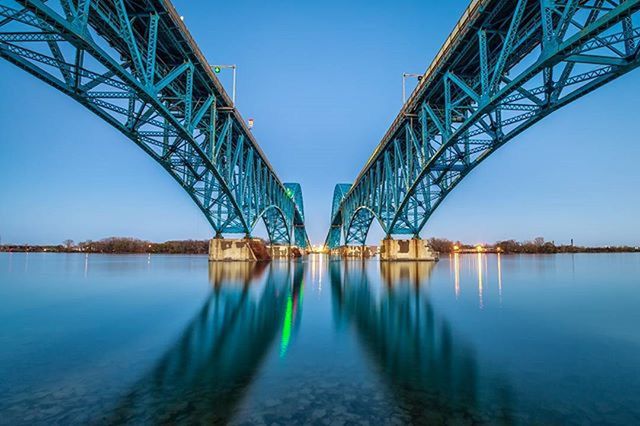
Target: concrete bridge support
<point>353,252</point>
<point>413,249</point>
<point>282,251</point>
<point>238,250</point>
<point>249,250</point>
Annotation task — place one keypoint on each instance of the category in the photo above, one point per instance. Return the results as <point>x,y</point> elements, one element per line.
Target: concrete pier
<point>413,249</point>
<point>353,252</point>
<point>238,250</point>
<point>284,251</point>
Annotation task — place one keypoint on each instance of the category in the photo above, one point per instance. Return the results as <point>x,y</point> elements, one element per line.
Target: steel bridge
<point>506,65</point>
<point>135,65</point>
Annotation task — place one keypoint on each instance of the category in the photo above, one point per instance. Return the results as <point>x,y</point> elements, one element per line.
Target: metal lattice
<point>134,64</point>
<point>507,65</point>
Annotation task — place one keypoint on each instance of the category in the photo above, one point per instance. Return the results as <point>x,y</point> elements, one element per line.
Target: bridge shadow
<point>205,374</point>
<point>431,371</point>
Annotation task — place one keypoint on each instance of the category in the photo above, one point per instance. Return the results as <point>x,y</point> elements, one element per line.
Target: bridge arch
<point>299,234</point>
<point>335,234</point>
<point>359,224</point>
<point>277,225</point>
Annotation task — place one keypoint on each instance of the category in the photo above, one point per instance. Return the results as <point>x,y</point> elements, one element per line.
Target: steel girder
<point>335,232</point>
<point>300,237</point>
<point>134,64</point>
<point>507,65</point>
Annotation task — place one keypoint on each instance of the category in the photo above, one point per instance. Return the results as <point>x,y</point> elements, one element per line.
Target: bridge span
<point>135,65</point>
<point>506,65</point>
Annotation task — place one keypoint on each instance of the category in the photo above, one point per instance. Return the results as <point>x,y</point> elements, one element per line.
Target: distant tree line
<point>118,245</point>
<point>32,248</point>
<point>134,245</point>
<point>537,246</point>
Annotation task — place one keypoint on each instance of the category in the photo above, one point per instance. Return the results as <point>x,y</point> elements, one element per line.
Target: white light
<point>182,18</point>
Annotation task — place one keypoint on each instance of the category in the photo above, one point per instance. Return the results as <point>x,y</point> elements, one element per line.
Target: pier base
<point>284,251</point>
<point>353,252</point>
<point>413,249</point>
<point>237,250</point>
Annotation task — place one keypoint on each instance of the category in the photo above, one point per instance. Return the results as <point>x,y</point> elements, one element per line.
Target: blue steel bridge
<point>134,64</point>
<point>506,65</point>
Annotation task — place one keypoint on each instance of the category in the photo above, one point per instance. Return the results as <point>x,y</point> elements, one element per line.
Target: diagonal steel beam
<point>507,44</point>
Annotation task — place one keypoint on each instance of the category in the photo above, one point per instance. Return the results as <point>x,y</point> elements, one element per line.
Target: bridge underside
<point>135,65</point>
<point>507,65</point>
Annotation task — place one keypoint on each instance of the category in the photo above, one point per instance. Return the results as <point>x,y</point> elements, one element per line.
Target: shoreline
<point>128,245</point>
<point>591,250</point>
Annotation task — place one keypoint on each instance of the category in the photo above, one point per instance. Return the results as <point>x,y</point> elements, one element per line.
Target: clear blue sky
<point>323,82</point>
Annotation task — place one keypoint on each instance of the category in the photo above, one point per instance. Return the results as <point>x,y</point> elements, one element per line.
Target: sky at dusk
<point>322,81</point>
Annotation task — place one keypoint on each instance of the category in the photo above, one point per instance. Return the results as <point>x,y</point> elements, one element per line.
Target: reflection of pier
<point>431,372</point>
<point>219,353</point>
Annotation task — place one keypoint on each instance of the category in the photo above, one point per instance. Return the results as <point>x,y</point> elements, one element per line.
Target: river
<point>472,339</point>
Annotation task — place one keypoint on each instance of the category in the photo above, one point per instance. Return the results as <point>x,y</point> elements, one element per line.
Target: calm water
<point>472,339</point>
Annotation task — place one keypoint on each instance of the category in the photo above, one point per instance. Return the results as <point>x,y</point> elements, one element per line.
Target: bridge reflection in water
<point>207,371</point>
<point>428,370</point>
<point>431,371</point>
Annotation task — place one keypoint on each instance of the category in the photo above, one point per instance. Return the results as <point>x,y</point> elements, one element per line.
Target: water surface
<point>472,339</point>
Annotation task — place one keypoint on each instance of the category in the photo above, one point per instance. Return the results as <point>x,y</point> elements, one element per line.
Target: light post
<point>218,68</point>
<point>406,75</point>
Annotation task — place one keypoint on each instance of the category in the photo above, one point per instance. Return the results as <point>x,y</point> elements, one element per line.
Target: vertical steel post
<point>484,67</point>
<point>152,42</point>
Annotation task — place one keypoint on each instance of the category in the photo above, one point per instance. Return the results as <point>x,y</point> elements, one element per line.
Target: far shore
<point>119,245</point>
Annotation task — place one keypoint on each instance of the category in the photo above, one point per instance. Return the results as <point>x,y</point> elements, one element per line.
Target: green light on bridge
<point>217,70</point>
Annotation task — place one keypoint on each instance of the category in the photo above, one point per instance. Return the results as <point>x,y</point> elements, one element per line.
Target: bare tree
<point>68,244</point>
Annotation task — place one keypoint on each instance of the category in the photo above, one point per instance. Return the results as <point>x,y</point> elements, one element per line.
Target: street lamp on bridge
<point>406,75</point>
<point>218,68</point>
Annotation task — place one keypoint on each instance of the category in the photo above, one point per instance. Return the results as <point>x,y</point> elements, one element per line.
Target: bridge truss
<point>135,65</point>
<point>506,65</point>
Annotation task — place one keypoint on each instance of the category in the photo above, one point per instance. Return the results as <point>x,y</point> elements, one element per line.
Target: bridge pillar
<point>353,252</point>
<point>230,250</point>
<point>283,251</point>
<point>413,249</point>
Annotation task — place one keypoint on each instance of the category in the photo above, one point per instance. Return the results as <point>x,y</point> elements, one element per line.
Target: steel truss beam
<point>134,65</point>
<point>465,107</point>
